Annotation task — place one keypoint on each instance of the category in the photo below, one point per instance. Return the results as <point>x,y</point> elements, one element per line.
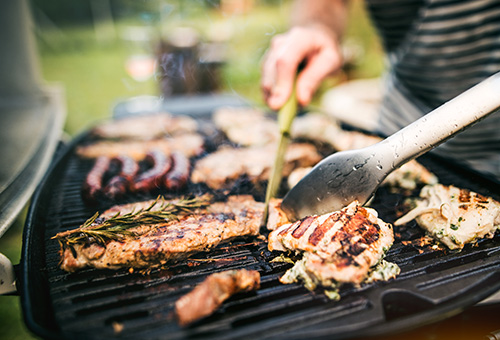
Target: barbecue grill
<point>94,304</point>
<point>433,284</point>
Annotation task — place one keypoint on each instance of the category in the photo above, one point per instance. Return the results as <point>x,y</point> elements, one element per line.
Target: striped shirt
<point>437,49</point>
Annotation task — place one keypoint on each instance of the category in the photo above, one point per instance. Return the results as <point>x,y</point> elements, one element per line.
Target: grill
<point>95,304</point>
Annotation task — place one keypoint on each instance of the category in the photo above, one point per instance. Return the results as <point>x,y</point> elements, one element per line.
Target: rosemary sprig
<point>118,226</point>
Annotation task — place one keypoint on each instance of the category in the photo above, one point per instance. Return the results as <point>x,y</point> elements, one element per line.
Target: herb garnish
<point>118,226</point>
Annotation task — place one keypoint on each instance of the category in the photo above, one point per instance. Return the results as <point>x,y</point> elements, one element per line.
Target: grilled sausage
<point>94,181</point>
<point>118,185</point>
<point>153,178</point>
<point>178,176</point>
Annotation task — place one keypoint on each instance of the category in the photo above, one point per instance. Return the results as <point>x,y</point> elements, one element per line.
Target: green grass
<point>94,78</point>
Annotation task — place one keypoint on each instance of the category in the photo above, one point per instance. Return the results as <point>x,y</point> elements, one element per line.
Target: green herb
<point>453,226</point>
<point>118,226</point>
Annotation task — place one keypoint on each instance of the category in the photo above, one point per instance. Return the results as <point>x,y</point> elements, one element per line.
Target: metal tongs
<point>346,176</point>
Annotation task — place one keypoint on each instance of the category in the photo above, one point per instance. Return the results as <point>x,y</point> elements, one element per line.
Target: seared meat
<point>119,184</point>
<point>178,176</point>
<point>189,144</point>
<point>146,127</point>
<point>205,298</point>
<point>94,181</point>
<point>153,178</point>
<point>154,243</point>
<point>247,126</point>
<point>276,217</point>
<point>222,168</point>
<point>454,216</point>
<point>338,247</point>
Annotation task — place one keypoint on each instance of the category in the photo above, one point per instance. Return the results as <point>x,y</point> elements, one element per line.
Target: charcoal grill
<point>94,304</point>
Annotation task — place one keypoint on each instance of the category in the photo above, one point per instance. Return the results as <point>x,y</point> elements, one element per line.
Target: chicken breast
<point>454,216</point>
<point>338,247</point>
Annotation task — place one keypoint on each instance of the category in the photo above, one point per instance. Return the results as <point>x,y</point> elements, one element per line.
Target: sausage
<point>178,176</point>
<point>118,185</point>
<point>152,179</point>
<point>94,181</point>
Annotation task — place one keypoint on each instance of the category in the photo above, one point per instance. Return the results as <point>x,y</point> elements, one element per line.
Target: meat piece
<point>189,144</point>
<point>118,185</point>
<point>178,175</point>
<point>205,298</point>
<point>155,243</point>
<point>339,247</point>
<point>146,127</point>
<point>94,181</point>
<point>221,169</point>
<point>276,217</point>
<point>316,127</point>
<point>297,175</point>
<point>152,178</point>
<point>246,126</point>
<point>454,216</point>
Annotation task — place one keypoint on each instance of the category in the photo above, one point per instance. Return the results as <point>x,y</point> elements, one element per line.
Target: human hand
<point>316,46</point>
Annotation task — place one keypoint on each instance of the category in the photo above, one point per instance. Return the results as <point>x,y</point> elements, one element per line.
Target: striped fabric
<point>436,49</point>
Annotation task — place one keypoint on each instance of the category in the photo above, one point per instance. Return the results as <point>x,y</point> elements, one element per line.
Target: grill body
<point>118,304</point>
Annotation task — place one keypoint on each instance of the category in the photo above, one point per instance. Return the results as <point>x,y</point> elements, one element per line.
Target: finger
<point>285,70</point>
<point>318,67</point>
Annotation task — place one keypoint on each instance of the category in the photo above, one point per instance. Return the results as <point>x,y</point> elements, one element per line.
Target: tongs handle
<point>442,123</point>
<point>285,119</point>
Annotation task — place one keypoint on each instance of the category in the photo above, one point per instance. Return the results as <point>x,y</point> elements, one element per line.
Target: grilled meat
<point>189,144</point>
<point>119,184</point>
<point>94,181</point>
<point>153,178</point>
<point>178,176</point>
<point>338,247</point>
<point>454,216</point>
<point>205,298</point>
<point>155,243</point>
<point>146,127</point>
<point>221,169</point>
<point>246,126</point>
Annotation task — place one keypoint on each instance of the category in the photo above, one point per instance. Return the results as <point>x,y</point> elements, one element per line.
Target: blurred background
<point>102,52</point>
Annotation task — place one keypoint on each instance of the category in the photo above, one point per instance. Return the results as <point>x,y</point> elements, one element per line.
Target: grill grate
<point>106,304</point>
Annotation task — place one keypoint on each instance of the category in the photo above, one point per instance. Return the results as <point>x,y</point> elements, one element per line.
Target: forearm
<point>328,13</point>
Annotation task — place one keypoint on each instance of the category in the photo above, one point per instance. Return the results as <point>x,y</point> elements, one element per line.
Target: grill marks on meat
<point>161,243</point>
<point>222,169</point>
<point>340,246</point>
<point>454,216</point>
<point>207,297</point>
